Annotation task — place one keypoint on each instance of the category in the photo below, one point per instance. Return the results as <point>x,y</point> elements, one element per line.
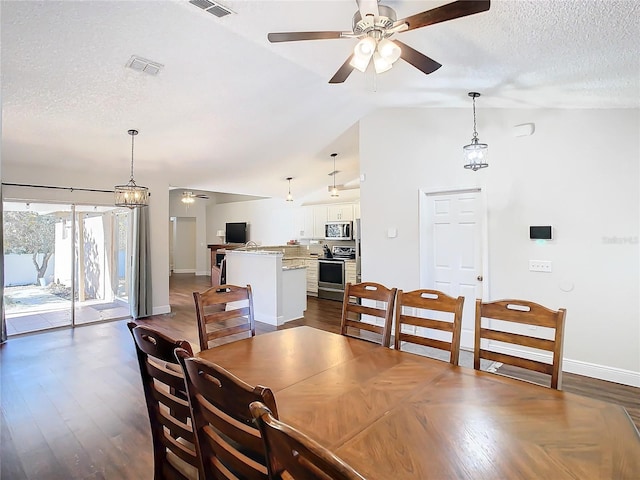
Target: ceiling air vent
<point>212,7</point>
<point>143,65</point>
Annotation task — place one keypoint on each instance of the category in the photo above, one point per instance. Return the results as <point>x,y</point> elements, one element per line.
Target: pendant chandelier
<point>334,191</point>
<point>475,154</point>
<point>131,195</point>
<point>289,196</point>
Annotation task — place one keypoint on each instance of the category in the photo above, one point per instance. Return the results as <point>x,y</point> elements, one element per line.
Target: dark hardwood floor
<point>72,404</point>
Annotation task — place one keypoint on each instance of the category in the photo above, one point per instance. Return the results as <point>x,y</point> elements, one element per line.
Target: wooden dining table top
<point>395,415</point>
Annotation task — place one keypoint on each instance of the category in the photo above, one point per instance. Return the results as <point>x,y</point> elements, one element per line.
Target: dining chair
<point>417,309</point>
<point>174,452</point>
<point>530,315</point>
<point>227,440</point>
<point>223,311</point>
<point>378,303</point>
<point>291,451</point>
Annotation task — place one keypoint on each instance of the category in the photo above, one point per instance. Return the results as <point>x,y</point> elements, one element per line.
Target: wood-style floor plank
<point>72,405</point>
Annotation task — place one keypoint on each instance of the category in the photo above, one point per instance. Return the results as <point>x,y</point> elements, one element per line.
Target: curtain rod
<point>71,189</point>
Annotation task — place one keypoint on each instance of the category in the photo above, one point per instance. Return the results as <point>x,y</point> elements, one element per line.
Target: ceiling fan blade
<point>368,7</point>
<point>297,36</point>
<point>458,9</point>
<point>417,59</point>
<point>343,72</point>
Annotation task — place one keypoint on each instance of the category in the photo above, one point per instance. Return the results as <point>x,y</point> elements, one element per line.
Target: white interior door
<point>453,249</point>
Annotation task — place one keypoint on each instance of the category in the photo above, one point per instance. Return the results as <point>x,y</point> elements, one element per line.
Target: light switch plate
<point>540,266</point>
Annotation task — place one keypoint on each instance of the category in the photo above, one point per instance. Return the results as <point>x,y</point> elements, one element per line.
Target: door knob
<point>479,278</point>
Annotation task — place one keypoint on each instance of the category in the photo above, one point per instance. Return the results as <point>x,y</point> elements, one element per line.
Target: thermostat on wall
<point>540,232</point>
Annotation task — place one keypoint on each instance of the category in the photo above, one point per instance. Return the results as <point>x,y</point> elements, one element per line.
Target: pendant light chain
<point>475,130</point>
<point>132,137</point>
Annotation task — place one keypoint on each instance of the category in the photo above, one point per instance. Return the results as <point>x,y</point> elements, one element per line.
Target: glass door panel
<point>101,264</point>
<point>38,246</point>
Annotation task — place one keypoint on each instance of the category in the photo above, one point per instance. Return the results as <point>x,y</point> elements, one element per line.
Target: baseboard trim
<point>184,270</point>
<point>161,310</point>
<point>587,369</point>
<point>203,273</point>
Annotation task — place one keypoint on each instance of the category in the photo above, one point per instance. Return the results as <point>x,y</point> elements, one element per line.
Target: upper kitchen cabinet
<point>356,211</point>
<point>312,220</point>
<point>340,212</point>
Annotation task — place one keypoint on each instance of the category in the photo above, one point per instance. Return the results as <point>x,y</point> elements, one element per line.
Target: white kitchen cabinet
<point>356,211</point>
<point>340,213</point>
<point>350,272</point>
<point>312,276</point>
<point>319,219</point>
<point>311,221</point>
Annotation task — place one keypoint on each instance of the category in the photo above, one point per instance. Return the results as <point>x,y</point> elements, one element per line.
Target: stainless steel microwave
<point>338,231</point>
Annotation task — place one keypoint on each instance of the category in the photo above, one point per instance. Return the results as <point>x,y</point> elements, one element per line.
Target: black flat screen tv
<point>236,232</point>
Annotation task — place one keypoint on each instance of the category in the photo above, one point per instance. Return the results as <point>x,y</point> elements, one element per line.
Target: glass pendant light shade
<point>380,63</point>
<point>476,153</point>
<point>389,50</point>
<point>362,53</point>
<point>131,195</point>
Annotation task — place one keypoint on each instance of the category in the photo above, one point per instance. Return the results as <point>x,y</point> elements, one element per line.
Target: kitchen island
<point>279,293</point>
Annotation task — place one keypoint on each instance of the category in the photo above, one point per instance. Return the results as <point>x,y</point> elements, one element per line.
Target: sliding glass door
<point>65,265</point>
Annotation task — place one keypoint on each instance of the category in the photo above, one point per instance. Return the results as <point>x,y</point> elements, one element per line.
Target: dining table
<point>395,415</point>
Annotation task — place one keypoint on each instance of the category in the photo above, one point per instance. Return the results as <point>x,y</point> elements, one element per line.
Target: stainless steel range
<point>331,278</point>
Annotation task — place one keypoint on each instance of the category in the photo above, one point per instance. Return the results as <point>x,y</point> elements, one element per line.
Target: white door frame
<point>424,222</point>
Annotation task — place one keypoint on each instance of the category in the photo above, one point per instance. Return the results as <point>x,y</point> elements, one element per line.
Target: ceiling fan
<point>189,197</point>
<point>374,24</point>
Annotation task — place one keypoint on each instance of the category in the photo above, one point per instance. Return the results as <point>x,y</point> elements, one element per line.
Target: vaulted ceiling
<point>231,112</point>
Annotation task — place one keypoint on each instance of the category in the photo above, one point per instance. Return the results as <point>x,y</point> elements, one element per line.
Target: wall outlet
<point>540,266</point>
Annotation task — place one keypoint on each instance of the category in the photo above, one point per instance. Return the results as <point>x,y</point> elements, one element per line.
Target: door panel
<point>451,231</point>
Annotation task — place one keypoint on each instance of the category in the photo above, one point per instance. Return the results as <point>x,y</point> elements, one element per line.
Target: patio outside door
<point>64,265</point>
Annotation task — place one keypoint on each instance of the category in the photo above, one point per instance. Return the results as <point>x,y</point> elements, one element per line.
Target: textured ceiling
<point>231,112</point>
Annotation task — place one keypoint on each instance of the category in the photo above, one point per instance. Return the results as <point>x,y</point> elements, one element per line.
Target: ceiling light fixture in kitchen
<point>475,154</point>
<point>289,196</point>
<point>334,191</point>
<point>131,195</point>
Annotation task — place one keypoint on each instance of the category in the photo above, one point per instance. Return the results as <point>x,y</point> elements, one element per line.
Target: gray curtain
<point>140,299</point>
<point>3,323</point>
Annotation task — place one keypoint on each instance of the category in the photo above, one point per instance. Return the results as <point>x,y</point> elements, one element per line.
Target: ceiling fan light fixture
<point>475,153</point>
<point>365,47</point>
<point>380,63</point>
<point>188,198</point>
<point>360,63</point>
<point>389,50</point>
<point>131,195</point>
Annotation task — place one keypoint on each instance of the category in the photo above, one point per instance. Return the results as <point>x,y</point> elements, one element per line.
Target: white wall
<point>271,221</point>
<point>579,172</point>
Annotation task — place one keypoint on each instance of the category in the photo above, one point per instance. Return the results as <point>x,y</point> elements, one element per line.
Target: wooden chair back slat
<point>289,450</point>
<point>174,455</point>
<point>354,294</point>
<point>214,308</point>
<point>526,313</point>
<point>422,302</point>
<point>227,438</point>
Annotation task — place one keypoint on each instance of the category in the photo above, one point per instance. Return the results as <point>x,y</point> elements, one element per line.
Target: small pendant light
<point>475,154</point>
<point>289,196</point>
<point>131,195</point>
<point>334,191</point>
